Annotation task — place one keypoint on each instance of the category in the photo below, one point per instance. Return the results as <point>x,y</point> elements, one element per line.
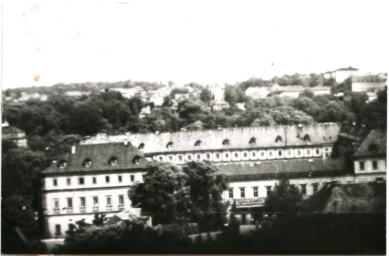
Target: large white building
<point>369,83</point>
<point>96,176</point>
<point>91,179</point>
<point>341,74</point>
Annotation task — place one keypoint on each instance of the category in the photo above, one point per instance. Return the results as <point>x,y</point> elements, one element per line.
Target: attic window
<point>252,141</point>
<point>141,146</point>
<point>169,144</point>
<point>197,143</point>
<point>113,161</point>
<point>62,164</point>
<point>278,138</point>
<point>306,137</point>
<point>87,162</point>
<point>373,148</point>
<point>136,159</point>
<point>226,142</point>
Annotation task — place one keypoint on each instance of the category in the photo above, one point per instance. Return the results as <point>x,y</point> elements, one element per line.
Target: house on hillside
<point>13,134</point>
<point>369,83</point>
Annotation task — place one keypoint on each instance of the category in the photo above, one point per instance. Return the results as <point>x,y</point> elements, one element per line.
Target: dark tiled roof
<point>283,169</point>
<point>99,154</point>
<point>373,145</point>
<point>11,130</point>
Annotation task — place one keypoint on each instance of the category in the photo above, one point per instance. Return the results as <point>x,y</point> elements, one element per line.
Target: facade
<point>369,83</point>
<point>341,74</point>
<point>91,179</point>
<point>370,157</point>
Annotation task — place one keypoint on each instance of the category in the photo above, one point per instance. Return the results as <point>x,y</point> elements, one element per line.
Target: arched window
<point>113,161</point>
<point>373,148</point>
<point>87,162</point>
<point>141,146</point>
<point>306,137</point>
<point>278,138</point>
<point>252,141</point>
<point>62,164</point>
<point>169,144</point>
<point>226,142</point>
<point>197,143</point>
<point>136,159</point>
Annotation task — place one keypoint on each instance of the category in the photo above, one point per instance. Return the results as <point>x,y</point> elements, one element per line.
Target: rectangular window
<point>315,187</point>
<point>160,158</point>
<point>180,158</point>
<point>217,155</point>
<point>94,180</point>
<point>245,154</point>
<point>242,192</point>
<point>270,153</point>
<point>253,154</point>
<point>362,166</point>
<point>226,155</point>
<point>236,154</point>
<point>109,202</point>
<point>170,158</point>
<point>303,189</point>
<point>231,193</point>
<point>56,203</point>
<point>268,190</point>
<point>121,199</point>
<point>55,182</point>
<point>81,181</point>
<point>317,151</point>
<point>70,202</point>
<point>57,229</point>
<point>280,153</point>
<point>95,201</point>
<point>375,165</point>
<point>82,201</point>
<point>190,157</point>
<point>107,179</point>
<point>68,181</point>
<point>120,178</point>
<point>255,191</point>
<point>198,157</point>
<point>132,177</point>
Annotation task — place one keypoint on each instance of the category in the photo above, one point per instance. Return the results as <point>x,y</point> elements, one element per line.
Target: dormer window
<point>226,142</point>
<point>87,162</point>
<point>136,159</point>
<point>373,148</point>
<point>113,161</point>
<point>278,138</point>
<point>252,141</point>
<point>197,143</point>
<point>306,137</point>
<point>141,146</point>
<point>169,144</point>
<point>62,164</point>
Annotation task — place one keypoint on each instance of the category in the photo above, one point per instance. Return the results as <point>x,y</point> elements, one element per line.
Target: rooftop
<point>374,144</point>
<point>102,158</point>
<point>283,169</point>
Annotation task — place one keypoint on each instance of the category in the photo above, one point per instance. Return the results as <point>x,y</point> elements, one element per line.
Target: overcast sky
<point>49,42</point>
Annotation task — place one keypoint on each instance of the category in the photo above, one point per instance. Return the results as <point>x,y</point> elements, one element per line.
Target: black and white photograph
<point>194,127</point>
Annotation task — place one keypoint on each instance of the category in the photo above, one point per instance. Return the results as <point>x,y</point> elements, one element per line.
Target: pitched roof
<point>99,154</point>
<point>265,137</point>
<point>283,169</point>
<point>373,145</point>
<point>346,69</point>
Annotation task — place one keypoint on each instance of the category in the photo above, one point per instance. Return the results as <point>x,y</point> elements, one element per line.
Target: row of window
<point>242,190</point>
<point>218,156</point>
<point>82,204</point>
<point>225,142</point>
<point>362,165</point>
<point>81,180</point>
<point>113,161</point>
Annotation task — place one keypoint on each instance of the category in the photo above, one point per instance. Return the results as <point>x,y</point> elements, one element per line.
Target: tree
<point>283,198</point>
<point>180,195</point>
<point>205,95</point>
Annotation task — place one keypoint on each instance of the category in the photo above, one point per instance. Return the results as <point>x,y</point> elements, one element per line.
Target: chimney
<point>73,149</point>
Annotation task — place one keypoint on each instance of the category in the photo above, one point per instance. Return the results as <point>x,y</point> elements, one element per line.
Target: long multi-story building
<point>97,174</point>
